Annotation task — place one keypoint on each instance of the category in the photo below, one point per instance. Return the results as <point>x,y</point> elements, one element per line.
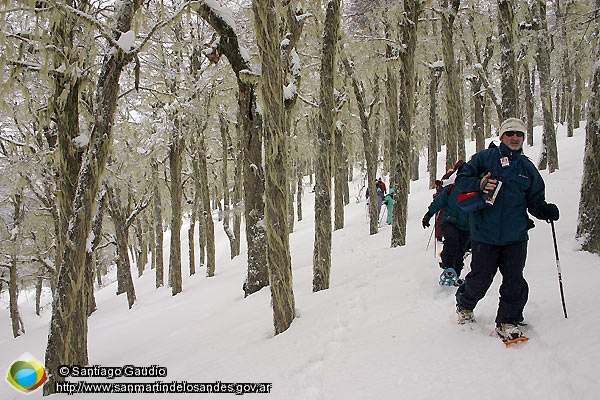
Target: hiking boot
<point>464,316</point>
<point>508,331</point>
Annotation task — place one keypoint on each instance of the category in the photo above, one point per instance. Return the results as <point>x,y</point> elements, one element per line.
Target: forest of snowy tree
<point>121,119</point>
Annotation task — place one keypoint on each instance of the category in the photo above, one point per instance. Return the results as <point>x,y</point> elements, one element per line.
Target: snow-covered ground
<point>384,330</point>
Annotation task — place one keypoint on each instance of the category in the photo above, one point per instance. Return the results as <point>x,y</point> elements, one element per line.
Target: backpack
<point>440,184</point>
<point>380,185</point>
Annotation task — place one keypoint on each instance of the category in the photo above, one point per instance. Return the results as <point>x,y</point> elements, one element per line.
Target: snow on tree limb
<point>229,44</point>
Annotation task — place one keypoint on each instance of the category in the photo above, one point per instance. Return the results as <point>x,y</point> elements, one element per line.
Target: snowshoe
<point>448,277</point>
<point>510,333</point>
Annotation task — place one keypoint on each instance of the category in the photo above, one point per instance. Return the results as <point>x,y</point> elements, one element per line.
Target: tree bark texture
<point>252,139</point>
<point>453,101</point>
<point>276,186</point>
<point>408,29</point>
<point>391,105</point>
<point>158,227</point>
<point>434,81</point>
<point>64,108</point>
<point>13,286</point>
<point>529,105</point>
<point>545,80</point>
<point>119,216</point>
<point>508,64</point>
<point>588,224</point>
<point>238,187</point>
<point>322,246</point>
<point>567,73</point>
<point>208,223</point>
<point>176,146</point>
<point>67,340</point>
<point>339,178</point>
<point>90,261</point>
<point>225,146</point>
<point>369,145</point>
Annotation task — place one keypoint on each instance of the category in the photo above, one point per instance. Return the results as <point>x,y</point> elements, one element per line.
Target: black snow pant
<point>487,259</point>
<point>456,243</point>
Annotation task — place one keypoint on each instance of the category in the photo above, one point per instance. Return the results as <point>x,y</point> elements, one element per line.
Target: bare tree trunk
<point>258,274</point>
<point>39,284</point>
<point>543,66</point>
<point>322,247</point>
<point>67,339</point>
<point>529,106</point>
<point>453,101</point>
<point>435,73</point>
<point>238,187</point>
<point>508,65</point>
<point>299,194</point>
<point>408,29</point>
<point>208,223</point>
<point>175,165</point>
<point>414,165</point>
<point>558,103</point>
<point>567,73</point>
<point>339,178</point>
<point>276,186</point>
<point>461,143</point>
<point>140,246</point>
<point>577,95</point>
<point>588,224</point>
<point>191,237</point>
<point>369,144</point>
<point>293,23</point>
<point>13,287</point>
<point>18,328</point>
<point>119,217</point>
<point>225,139</point>
<point>347,176</point>
<point>198,205</point>
<point>252,163</point>
<point>90,262</point>
<point>158,227</point>
<point>64,108</point>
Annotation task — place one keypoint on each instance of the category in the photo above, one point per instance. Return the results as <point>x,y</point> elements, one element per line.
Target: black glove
<point>549,212</point>
<point>425,221</point>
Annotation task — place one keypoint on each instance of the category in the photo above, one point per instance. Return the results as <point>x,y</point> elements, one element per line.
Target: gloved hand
<point>549,212</point>
<point>425,221</point>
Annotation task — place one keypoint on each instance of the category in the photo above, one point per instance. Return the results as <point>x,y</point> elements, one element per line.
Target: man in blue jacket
<point>499,232</point>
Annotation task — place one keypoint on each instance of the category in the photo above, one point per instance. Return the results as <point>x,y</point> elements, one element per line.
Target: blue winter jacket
<point>447,200</point>
<point>522,190</point>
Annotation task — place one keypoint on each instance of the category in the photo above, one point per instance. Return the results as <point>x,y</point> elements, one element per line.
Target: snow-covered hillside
<point>385,329</point>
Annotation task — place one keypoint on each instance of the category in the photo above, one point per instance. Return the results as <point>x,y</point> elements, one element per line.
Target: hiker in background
<point>381,185</point>
<point>499,231</point>
<point>388,200</point>
<point>381,191</point>
<point>447,179</point>
<point>379,201</point>
<point>455,225</point>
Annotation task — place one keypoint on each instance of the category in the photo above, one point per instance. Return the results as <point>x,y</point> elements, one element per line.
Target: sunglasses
<point>513,133</point>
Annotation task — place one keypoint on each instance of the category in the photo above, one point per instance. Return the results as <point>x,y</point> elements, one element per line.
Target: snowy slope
<point>385,329</point>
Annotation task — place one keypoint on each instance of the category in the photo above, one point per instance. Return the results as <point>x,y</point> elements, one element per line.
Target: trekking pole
<point>560,283</point>
<point>429,241</point>
<point>430,236</point>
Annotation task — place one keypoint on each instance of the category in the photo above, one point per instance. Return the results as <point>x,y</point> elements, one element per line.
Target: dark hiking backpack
<point>438,188</point>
